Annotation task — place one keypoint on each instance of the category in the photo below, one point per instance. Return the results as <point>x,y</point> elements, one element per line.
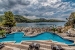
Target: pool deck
<point>66,37</point>
<point>44,45</point>
<point>28,31</point>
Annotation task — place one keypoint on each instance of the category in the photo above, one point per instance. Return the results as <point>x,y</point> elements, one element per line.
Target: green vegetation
<point>1,18</point>
<point>20,18</point>
<point>54,29</point>
<point>9,20</point>
<point>71,20</point>
<point>47,20</point>
<point>0,24</point>
<point>2,33</point>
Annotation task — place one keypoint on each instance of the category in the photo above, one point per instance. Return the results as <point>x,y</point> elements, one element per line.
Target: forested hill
<point>71,19</point>
<point>19,19</point>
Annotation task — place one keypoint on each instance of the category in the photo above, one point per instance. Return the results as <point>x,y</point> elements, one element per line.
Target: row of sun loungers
<point>70,34</point>
<point>35,45</point>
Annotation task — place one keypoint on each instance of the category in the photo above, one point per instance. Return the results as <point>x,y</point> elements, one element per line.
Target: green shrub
<point>2,32</point>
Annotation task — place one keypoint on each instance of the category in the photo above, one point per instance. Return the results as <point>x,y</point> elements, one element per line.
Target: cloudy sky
<point>58,9</point>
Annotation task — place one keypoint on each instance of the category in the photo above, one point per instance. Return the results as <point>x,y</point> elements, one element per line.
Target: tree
<point>71,20</point>
<point>2,33</point>
<point>9,20</point>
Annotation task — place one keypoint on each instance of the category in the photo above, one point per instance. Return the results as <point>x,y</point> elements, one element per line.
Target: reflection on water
<point>40,24</point>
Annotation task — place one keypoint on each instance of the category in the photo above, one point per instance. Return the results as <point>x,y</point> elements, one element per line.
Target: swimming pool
<point>18,37</point>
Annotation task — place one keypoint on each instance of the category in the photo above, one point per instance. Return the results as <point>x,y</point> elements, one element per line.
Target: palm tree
<point>54,28</point>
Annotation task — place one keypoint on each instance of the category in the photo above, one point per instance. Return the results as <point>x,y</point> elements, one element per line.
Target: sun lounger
<point>34,46</point>
<point>53,47</point>
<point>1,45</point>
<point>37,46</point>
<point>56,47</point>
<point>71,35</point>
<point>60,47</point>
<point>31,46</point>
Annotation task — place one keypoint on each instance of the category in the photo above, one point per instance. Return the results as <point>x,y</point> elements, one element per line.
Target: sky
<point>32,9</point>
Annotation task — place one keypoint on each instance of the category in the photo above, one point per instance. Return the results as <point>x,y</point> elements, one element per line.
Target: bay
<point>40,24</point>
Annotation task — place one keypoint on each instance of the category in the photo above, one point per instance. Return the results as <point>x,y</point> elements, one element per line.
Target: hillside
<point>45,20</point>
<point>71,20</point>
<point>19,19</point>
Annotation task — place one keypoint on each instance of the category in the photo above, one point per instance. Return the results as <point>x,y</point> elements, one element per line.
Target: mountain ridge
<point>20,18</point>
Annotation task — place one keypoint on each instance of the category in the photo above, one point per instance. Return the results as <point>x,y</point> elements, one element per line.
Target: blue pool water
<point>18,37</point>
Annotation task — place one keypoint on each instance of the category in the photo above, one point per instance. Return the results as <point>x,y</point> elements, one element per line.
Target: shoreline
<point>40,22</point>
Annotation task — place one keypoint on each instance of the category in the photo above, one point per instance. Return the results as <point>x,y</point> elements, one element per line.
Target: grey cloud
<point>28,8</point>
<point>42,0</point>
<point>8,4</point>
<point>24,2</point>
